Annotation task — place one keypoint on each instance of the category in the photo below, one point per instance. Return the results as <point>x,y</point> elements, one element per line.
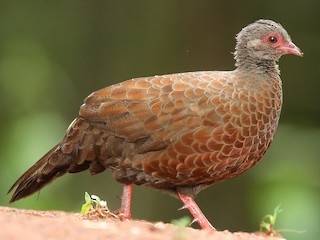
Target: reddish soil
<point>29,224</point>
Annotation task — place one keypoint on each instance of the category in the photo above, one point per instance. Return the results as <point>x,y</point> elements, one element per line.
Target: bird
<point>178,133</point>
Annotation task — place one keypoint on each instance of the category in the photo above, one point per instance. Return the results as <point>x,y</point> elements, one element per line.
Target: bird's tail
<point>76,152</point>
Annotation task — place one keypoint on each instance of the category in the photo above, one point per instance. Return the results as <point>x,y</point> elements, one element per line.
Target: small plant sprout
<point>87,205</point>
<point>99,203</point>
<point>268,222</point>
<point>95,208</point>
<point>182,222</point>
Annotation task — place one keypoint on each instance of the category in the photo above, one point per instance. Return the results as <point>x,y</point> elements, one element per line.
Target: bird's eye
<point>272,39</point>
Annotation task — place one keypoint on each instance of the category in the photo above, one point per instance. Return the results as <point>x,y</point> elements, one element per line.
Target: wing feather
<point>155,108</point>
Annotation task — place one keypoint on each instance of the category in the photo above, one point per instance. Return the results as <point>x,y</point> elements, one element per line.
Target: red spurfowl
<point>180,132</point>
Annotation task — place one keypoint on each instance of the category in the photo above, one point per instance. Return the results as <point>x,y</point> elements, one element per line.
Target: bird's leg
<point>193,208</point>
<point>125,210</point>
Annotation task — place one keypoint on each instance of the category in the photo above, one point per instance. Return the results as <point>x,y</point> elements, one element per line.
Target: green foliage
<point>86,206</point>
<point>268,222</point>
<point>89,200</point>
<point>182,222</point>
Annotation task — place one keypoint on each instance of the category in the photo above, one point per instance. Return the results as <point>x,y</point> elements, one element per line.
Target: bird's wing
<point>152,110</point>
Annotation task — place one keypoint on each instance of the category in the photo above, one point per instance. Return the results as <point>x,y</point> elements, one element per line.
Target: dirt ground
<point>29,224</point>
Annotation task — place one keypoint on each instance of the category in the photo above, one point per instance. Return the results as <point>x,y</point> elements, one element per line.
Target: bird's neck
<point>258,66</point>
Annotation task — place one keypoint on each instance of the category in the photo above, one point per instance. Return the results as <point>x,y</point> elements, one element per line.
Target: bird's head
<point>263,41</point>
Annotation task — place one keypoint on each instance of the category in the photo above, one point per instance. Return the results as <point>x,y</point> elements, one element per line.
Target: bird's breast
<point>237,124</point>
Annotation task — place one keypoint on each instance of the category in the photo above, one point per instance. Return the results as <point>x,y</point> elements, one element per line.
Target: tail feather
<point>34,178</point>
<point>64,157</point>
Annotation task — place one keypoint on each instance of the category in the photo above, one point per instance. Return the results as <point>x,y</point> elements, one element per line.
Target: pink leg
<point>193,208</point>
<point>126,202</point>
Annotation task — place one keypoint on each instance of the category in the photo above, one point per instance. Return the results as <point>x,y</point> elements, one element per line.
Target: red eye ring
<point>273,39</point>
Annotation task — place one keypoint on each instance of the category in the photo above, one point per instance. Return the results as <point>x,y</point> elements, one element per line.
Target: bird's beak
<point>290,48</point>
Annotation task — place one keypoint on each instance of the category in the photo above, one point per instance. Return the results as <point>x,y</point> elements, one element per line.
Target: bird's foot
<point>193,208</point>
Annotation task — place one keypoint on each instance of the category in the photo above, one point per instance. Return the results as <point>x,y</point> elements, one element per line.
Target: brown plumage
<point>179,132</point>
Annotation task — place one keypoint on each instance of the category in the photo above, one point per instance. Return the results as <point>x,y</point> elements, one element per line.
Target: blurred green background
<point>54,53</point>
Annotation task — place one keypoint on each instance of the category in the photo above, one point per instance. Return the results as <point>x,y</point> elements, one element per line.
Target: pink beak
<point>290,48</point>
